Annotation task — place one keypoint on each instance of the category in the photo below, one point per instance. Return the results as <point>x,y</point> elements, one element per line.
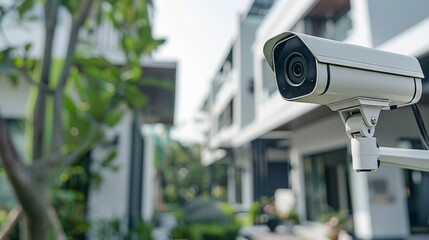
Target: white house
<point>387,204</point>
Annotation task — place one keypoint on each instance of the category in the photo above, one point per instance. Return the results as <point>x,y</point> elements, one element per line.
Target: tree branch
<point>51,12</point>
<point>58,138</point>
<point>12,219</point>
<point>56,224</point>
<point>43,168</point>
<point>26,188</point>
<point>27,77</point>
<point>83,148</point>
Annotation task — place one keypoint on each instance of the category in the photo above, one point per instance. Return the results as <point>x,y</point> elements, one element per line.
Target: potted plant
<point>290,218</point>
<point>270,216</point>
<point>336,221</point>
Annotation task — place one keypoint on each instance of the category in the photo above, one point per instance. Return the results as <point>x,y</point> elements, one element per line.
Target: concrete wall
<point>391,17</point>
<point>14,100</point>
<point>244,56</point>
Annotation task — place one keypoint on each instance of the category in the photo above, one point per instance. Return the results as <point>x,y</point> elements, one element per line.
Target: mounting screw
<point>373,120</point>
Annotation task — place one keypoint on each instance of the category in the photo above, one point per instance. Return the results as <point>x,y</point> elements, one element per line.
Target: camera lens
<point>295,68</point>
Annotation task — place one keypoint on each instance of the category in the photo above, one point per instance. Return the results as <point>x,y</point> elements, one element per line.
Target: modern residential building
<point>230,107</point>
<point>124,194</point>
<point>310,139</point>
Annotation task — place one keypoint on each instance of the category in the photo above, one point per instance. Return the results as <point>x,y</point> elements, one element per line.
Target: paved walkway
<point>299,232</point>
<point>276,236</point>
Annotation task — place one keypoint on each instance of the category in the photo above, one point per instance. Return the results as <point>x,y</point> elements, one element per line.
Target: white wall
<point>110,200</point>
<point>14,100</point>
<point>33,32</point>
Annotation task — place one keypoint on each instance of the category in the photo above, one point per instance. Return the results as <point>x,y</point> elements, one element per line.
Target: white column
<point>148,197</point>
<point>231,183</point>
<point>361,204</point>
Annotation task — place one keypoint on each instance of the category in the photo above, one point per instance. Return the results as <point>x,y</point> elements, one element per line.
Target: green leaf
<point>135,98</point>
<point>113,117</point>
<point>80,88</point>
<point>92,61</point>
<point>27,47</point>
<point>99,100</point>
<point>98,73</point>
<point>70,105</point>
<point>14,80</point>
<point>24,7</point>
<point>152,45</point>
<point>109,159</point>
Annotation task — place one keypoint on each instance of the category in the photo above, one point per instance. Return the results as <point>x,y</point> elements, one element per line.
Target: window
<point>326,183</point>
<point>226,117</point>
<point>223,73</point>
<point>329,19</point>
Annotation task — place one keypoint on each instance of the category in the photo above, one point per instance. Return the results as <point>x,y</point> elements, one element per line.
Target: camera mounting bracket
<point>360,117</point>
<point>367,109</point>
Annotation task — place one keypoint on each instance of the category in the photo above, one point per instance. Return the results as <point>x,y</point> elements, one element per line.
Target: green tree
<point>74,98</point>
<point>182,176</point>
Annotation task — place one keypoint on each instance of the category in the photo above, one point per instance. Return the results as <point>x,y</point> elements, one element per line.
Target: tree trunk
<point>31,193</point>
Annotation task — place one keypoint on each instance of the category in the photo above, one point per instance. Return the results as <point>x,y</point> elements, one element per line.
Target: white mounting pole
<point>405,158</point>
<point>360,118</point>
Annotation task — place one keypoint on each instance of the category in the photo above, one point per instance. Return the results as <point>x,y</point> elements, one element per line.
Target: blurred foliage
<point>3,218</point>
<point>264,210</point>
<point>70,198</point>
<point>337,221</point>
<point>182,176</point>
<point>112,229</point>
<point>206,219</point>
<point>206,211</point>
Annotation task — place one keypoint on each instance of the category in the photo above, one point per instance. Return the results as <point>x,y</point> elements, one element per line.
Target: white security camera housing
<point>316,70</point>
<point>357,82</point>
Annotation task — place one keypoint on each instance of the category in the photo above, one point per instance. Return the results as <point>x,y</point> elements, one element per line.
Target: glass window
<point>329,19</point>
<point>226,117</point>
<point>326,183</point>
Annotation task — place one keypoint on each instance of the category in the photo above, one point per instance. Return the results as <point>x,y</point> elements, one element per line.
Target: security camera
<point>316,70</point>
<point>357,82</point>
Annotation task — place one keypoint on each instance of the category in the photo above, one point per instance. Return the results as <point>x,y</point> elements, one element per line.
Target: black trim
<point>135,187</point>
<point>415,90</point>
<point>328,69</point>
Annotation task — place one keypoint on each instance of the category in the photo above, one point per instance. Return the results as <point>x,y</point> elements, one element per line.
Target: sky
<point>199,34</point>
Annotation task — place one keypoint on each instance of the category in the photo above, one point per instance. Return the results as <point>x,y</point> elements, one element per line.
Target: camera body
<point>316,70</point>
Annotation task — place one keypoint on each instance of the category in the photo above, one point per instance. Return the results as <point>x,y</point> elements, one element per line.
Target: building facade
<point>311,140</point>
